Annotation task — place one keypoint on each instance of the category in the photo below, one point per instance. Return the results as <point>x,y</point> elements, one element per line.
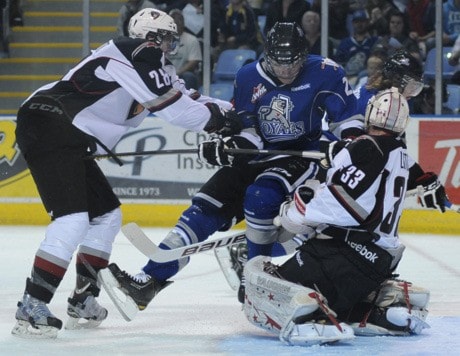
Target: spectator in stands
<point>187,55</point>
<point>239,28</point>
<point>421,15</point>
<point>127,10</point>
<point>353,51</point>
<point>373,69</point>
<point>285,11</point>
<point>311,25</point>
<point>194,19</point>
<point>398,36</point>
<point>338,15</point>
<point>379,12</point>
<point>450,21</point>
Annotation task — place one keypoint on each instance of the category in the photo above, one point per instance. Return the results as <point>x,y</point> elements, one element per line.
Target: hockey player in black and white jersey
<point>88,110</point>
<point>348,261</point>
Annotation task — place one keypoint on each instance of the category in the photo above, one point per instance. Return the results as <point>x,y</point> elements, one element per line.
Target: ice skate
<point>84,312</point>
<point>232,260</point>
<point>34,319</point>
<point>136,291</point>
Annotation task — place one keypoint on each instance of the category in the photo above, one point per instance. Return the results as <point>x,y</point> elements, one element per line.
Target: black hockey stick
<point>304,154</point>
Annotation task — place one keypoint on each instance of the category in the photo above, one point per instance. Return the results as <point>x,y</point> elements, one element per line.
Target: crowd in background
<point>361,33</point>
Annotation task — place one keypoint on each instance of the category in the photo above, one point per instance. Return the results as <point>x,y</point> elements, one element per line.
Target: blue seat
<point>229,61</point>
<point>222,90</point>
<point>453,102</point>
<point>429,71</point>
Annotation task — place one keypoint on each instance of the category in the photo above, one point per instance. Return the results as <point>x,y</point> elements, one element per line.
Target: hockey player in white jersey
<point>353,249</point>
<point>281,99</point>
<point>88,110</point>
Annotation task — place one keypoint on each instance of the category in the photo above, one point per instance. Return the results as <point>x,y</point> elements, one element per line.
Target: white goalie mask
<point>154,25</point>
<point>388,110</point>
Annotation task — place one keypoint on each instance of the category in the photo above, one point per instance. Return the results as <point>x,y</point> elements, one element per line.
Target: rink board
<point>154,190</point>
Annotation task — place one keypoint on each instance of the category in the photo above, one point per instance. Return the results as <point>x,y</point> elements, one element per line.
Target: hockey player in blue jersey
<point>281,100</point>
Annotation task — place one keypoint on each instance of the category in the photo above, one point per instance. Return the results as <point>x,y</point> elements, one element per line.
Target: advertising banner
<point>439,151</point>
<point>154,189</point>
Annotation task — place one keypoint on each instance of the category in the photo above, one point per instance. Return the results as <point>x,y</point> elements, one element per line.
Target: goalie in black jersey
<point>346,266</point>
<point>89,110</point>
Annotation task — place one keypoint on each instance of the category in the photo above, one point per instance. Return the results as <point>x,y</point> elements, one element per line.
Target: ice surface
<point>199,313</point>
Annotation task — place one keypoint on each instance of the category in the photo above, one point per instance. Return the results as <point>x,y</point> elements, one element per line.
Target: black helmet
<point>402,63</point>
<point>405,72</point>
<point>286,43</point>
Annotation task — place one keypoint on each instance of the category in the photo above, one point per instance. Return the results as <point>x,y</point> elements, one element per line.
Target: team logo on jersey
<point>12,165</point>
<point>275,122</point>
<point>258,92</point>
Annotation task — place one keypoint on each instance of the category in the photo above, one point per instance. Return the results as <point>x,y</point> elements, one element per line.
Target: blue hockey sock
<point>258,249</point>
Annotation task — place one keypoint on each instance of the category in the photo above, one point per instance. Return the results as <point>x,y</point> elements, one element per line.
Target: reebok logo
<point>362,250</point>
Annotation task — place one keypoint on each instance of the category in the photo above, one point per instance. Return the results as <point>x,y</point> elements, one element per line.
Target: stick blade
<point>139,239</point>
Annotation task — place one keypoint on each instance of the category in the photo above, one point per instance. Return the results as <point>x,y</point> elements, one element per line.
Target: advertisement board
<point>154,189</point>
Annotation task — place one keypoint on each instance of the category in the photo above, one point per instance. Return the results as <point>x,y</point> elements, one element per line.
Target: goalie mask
<point>388,110</point>
<point>285,51</point>
<point>156,26</point>
<point>405,72</point>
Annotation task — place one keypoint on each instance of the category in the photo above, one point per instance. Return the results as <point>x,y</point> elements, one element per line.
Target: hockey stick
<point>142,242</point>
<point>249,151</point>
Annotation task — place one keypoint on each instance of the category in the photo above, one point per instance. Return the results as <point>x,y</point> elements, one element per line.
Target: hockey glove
<point>222,122</point>
<point>330,150</point>
<point>292,213</point>
<point>433,194</point>
<point>212,152</point>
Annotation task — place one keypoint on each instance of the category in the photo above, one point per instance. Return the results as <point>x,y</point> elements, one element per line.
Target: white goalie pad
<point>405,306</point>
<point>396,292</point>
<point>274,305</point>
<point>125,304</point>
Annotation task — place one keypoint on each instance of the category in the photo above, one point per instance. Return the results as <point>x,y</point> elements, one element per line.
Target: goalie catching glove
<point>292,213</point>
<point>222,122</point>
<point>431,192</point>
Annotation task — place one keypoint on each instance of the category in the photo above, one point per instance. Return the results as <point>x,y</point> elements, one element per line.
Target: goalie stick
<point>142,242</point>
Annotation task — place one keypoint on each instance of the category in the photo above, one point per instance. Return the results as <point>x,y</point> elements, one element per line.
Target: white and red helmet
<point>152,24</point>
<point>388,110</point>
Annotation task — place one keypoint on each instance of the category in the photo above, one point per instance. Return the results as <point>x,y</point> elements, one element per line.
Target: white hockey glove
<point>222,122</point>
<point>330,150</point>
<point>431,192</point>
<point>292,213</point>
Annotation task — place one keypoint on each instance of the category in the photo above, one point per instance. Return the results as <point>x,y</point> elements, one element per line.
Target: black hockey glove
<point>433,194</point>
<point>222,122</point>
<point>212,151</point>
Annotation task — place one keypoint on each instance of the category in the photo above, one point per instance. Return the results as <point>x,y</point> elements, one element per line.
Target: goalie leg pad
<point>399,310</point>
<point>278,306</point>
<point>395,291</point>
